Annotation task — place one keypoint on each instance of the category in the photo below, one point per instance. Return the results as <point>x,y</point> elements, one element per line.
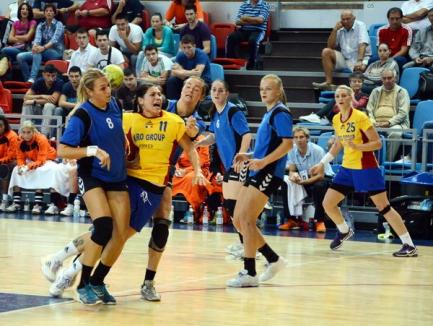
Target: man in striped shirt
<point>251,21</point>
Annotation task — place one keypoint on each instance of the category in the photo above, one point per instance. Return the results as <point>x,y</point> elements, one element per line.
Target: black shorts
<point>87,182</point>
<point>231,175</point>
<point>265,182</point>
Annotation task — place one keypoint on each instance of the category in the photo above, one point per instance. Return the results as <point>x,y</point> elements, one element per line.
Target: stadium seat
<point>326,96</point>
<point>221,32</point>
<point>206,18</point>
<point>176,41</point>
<point>409,80</point>
<point>373,42</point>
<point>213,48</point>
<point>423,113</point>
<point>145,20</point>
<point>17,87</point>
<point>372,29</point>
<point>61,66</point>
<point>216,72</point>
<point>6,102</point>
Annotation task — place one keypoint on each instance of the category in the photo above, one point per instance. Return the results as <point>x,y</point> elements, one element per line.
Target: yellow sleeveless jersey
<point>155,141</point>
<point>354,129</point>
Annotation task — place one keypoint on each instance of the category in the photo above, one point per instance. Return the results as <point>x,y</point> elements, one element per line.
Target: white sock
<point>343,227</point>
<point>66,252</point>
<point>5,197</point>
<point>73,269</point>
<point>405,238</point>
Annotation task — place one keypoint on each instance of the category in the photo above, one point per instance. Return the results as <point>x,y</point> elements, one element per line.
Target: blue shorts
<point>145,199</point>
<point>365,180</point>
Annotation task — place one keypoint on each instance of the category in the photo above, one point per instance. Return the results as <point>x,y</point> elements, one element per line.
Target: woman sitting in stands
<point>159,36</point>
<point>8,143</point>
<point>36,169</point>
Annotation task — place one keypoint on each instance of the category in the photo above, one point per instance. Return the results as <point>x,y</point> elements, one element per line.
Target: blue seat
<point>216,72</point>
<point>372,29</point>
<point>213,48</point>
<point>373,41</point>
<point>176,41</point>
<point>322,141</point>
<point>326,96</point>
<point>410,80</point>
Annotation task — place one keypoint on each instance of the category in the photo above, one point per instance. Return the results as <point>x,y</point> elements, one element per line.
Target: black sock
<point>17,197</point>
<point>71,198</point>
<point>85,276</point>
<point>241,238</point>
<point>150,275</point>
<point>250,266</point>
<point>269,254</point>
<point>99,274</point>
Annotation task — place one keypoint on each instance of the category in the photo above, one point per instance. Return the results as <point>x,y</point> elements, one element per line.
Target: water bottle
<point>279,219</point>
<point>205,217</point>
<point>190,217</point>
<point>349,219</point>
<point>171,216</point>
<point>311,224</point>
<point>263,219</point>
<point>76,210</point>
<point>27,204</point>
<point>219,220</point>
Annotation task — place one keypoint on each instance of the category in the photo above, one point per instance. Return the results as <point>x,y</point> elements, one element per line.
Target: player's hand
<point>352,145</point>
<point>256,164</point>
<point>22,169</point>
<point>104,158</point>
<point>316,169</point>
<point>219,178</point>
<point>199,179</point>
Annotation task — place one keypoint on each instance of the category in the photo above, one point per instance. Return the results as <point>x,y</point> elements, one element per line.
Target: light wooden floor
<point>360,285</point>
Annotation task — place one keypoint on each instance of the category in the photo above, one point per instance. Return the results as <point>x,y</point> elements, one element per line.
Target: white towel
<point>49,175</point>
<point>295,197</point>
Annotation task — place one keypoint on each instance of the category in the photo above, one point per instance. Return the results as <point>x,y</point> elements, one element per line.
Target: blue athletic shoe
<point>339,238</point>
<point>86,296</point>
<point>406,251</point>
<point>103,294</point>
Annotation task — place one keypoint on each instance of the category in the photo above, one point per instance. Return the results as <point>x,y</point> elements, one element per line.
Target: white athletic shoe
<point>50,267</point>
<point>272,269</point>
<point>149,293</point>
<point>3,206</point>
<point>234,248</point>
<point>13,208</point>
<point>312,117</point>
<point>37,209</point>
<point>60,285</point>
<point>243,280</point>
<point>52,210</point>
<point>68,211</point>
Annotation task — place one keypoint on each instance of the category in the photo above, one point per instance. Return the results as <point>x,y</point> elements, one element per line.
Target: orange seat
<point>61,65</point>
<point>221,32</point>
<point>71,41</point>
<point>145,20</point>
<point>17,87</point>
<point>206,18</point>
<point>6,102</point>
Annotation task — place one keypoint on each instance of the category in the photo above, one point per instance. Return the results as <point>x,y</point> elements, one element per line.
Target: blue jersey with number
<point>228,130</point>
<point>274,127</point>
<point>90,125</point>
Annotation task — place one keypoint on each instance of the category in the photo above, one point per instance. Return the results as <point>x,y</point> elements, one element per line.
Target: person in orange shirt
<point>177,11</point>
<point>8,140</point>
<point>35,169</point>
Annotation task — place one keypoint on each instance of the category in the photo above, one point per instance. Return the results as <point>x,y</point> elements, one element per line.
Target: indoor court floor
<point>360,284</point>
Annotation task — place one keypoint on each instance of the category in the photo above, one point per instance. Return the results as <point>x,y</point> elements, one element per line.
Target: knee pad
<point>160,232</point>
<point>103,229</point>
<point>385,210</point>
<point>229,205</point>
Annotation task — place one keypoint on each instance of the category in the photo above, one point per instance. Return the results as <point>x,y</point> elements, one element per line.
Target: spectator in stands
<point>42,97</point>
<point>133,9</point>
<point>8,141</point>
<point>154,68</point>
<point>373,74</point>
<point>62,6</point>
<point>94,14</point>
<point>127,37</point>
<point>80,57</point>
<point>325,114</point>
<point>176,11</point>
<point>388,107</point>
<point>48,45</point>
<point>159,36</point>
<point>189,62</point>
<point>105,54</point>
<point>126,93</point>
<point>20,37</point>
<point>351,37</point>
<point>415,13</point>
<point>299,182</point>
<point>68,95</point>
<point>421,51</point>
<point>252,20</point>
<point>396,35</point>
<point>196,28</point>
<point>36,170</point>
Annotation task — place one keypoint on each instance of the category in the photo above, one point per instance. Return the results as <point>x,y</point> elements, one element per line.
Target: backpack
<point>205,105</point>
<point>425,86</point>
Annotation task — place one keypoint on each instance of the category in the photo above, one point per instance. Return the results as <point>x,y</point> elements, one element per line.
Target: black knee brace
<point>103,230</point>
<point>159,237</point>
<point>229,205</point>
<point>385,210</point>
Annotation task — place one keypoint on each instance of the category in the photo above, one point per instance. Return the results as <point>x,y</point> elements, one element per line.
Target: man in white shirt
<point>80,57</point>
<point>105,54</point>
<point>155,68</point>
<point>127,37</point>
<point>415,13</point>
<point>351,37</point>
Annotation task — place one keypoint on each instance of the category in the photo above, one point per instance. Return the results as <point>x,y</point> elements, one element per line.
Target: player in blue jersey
<point>94,136</point>
<point>266,171</point>
<point>229,130</point>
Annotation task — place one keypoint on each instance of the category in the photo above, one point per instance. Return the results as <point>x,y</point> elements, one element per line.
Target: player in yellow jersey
<point>359,171</point>
<point>153,136</point>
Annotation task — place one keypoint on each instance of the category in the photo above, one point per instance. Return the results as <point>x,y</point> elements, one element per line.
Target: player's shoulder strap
<point>84,116</point>
<point>278,109</point>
